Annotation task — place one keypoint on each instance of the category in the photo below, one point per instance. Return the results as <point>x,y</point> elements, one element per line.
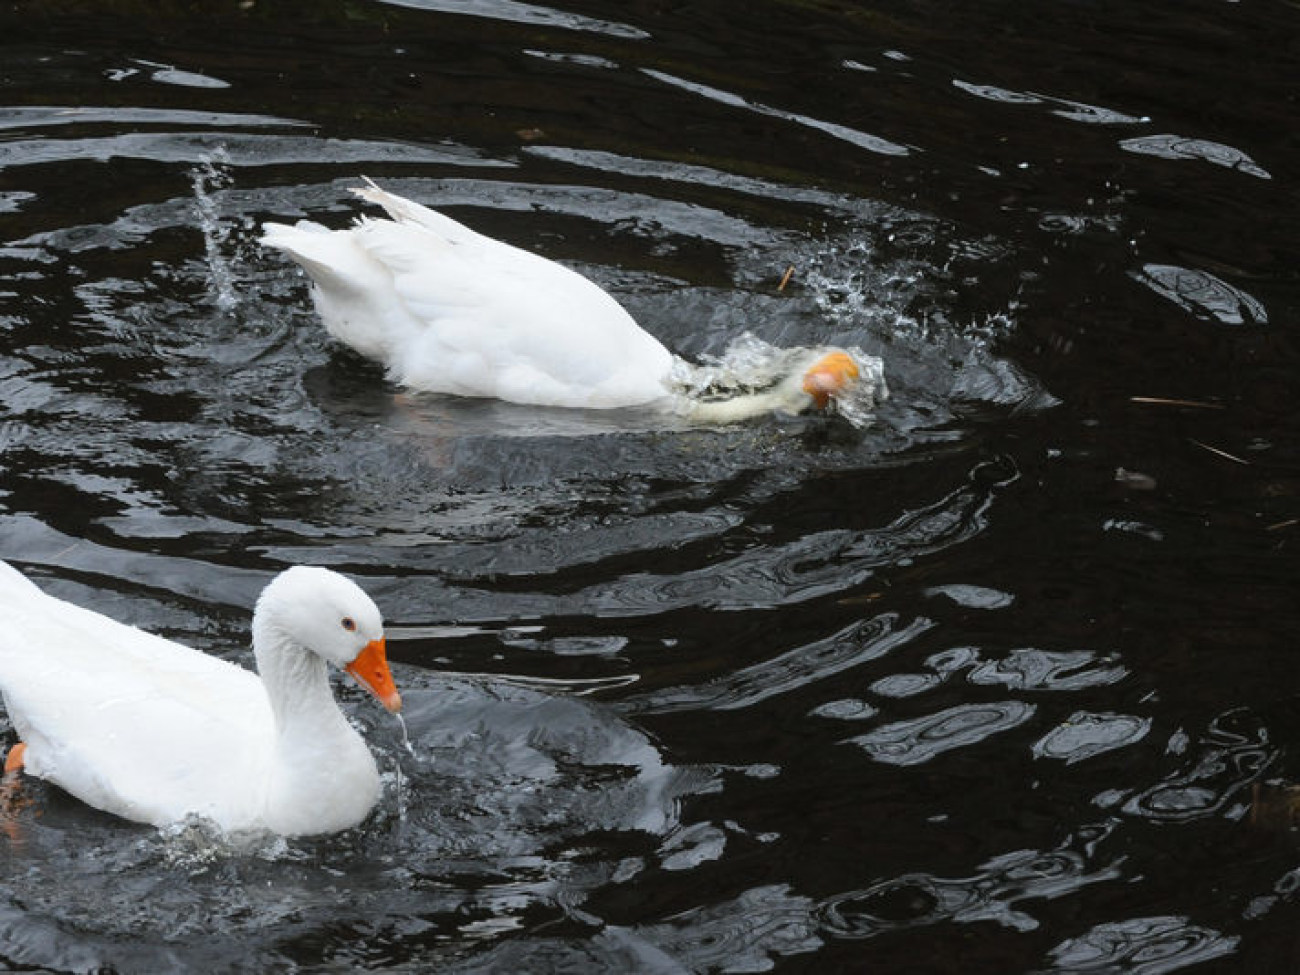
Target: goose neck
<point>296,680</point>
<point>747,405</point>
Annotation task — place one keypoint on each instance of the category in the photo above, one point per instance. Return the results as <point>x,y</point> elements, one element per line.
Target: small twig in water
<point>1222,453</point>
<point>785,278</point>
<point>1166,401</point>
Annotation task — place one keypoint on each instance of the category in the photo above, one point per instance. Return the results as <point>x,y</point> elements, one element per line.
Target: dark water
<point>1004,681</point>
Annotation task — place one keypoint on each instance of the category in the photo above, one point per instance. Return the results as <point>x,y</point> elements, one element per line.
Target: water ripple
<point>1139,946</point>
<point>1049,670</point>
<point>1203,294</point>
<point>31,116</point>
<point>175,425</point>
<point>810,567</point>
<point>1025,669</point>
<point>693,174</point>
<point>1094,114</point>
<point>1085,734</point>
<point>243,149</point>
<point>626,211</point>
<point>740,935</point>
<point>996,94</point>
<point>905,685</point>
<point>845,709</point>
<point>747,933</point>
<point>921,899</point>
<point>973,597</point>
<point>918,740</point>
<point>533,14</point>
<point>509,763</point>
<point>563,57</point>
<point>1234,753</point>
<point>794,669</point>
<point>1066,108</point>
<point>521,787</point>
<point>31,542</point>
<point>1182,147</point>
<point>863,140</point>
<point>167,74</point>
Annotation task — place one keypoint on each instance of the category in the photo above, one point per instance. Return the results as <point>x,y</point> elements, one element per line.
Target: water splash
<point>937,355</point>
<point>406,737</point>
<point>196,844</point>
<point>212,174</point>
<point>750,364</point>
<point>400,787</point>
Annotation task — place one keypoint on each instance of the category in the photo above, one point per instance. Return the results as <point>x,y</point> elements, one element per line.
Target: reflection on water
<point>861,140</point>
<point>527,784</point>
<point>1203,294</point>
<point>1150,945</point>
<point>919,740</point>
<point>1213,778</point>
<point>525,13</point>
<point>991,675</point>
<point>921,900</point>
<point>1084,735</point>
<point>1177,147</point>
<point>795,669</point>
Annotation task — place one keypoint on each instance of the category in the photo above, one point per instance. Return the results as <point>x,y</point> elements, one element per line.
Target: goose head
<point>332,617</point>
<point>824,376</point>
<point>832,375</point>
<point>812,381</point>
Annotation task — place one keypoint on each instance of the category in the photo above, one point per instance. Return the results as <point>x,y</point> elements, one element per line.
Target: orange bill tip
<point>370,668</point>
<point>829,376</point>
<point>16,758</point>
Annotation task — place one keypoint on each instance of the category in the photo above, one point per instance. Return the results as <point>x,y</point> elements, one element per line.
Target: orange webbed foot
<point>12,800</point>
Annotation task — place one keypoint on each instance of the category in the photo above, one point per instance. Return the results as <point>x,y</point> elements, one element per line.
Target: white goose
<point>154,731</point>
<point>448,310</point>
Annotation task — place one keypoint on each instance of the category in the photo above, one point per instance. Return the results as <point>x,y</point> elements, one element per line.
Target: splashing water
<point>406,737</point>
<point>934,351</point>
<point>851,288</point>
<point>213,173</point>
<point>750,364</point>
<point>399,779</point>
<point>195,844</point>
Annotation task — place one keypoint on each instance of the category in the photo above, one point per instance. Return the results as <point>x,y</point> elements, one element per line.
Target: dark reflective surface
<point>1000,681</point>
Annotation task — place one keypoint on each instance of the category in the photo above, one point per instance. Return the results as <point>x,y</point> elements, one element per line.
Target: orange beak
<point>371,671</point>
<point>829,376</point>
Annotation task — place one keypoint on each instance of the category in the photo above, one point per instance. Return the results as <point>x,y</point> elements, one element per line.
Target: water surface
<point>997,679</point>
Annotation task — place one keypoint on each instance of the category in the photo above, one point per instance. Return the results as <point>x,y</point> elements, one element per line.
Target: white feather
<point>448,310</point>
<point>155,731</point>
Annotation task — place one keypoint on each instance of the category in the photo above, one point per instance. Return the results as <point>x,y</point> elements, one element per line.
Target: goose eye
<point>349,624</point>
